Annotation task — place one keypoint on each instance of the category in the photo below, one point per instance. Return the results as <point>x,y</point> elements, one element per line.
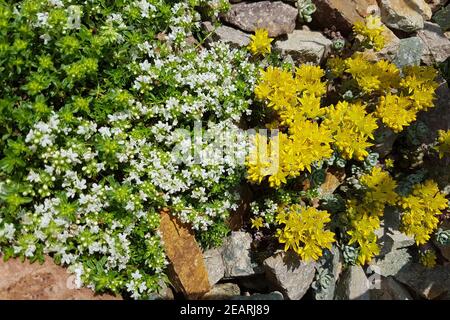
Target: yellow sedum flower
<point>257,222</point>
<point>380,187</point>
<point>396,112</point>
<point>389,163</point>
<point>443,146</point>
<point>428,258</point>
<point>260,42</point>
<point>303,230</point>
<point>421,209</point>
<point>371,32</point>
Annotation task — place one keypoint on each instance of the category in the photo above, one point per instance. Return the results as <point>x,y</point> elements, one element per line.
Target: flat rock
<point>235,37</point>
<point>393,262</point>
<point>277,17</point>
<point>435,44</point>
<point>390,290</point>
<point>214,265</point>
<point>409,52</point>
<point>353,285</point>
<point>404,15</point>
<point>236,255</point>
<point>47,281</point>
<point>289,275</point>
<point>187,271</point>
<point>305,46</point>
<point>442,18</point>
<point>429,283</point>
<point>342,14</point>
<point>222,291</point>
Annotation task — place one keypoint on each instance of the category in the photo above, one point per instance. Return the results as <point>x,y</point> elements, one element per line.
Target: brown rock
<point>47,281</point>
<point>333,179</point>
<point>277,17</point>
<point>404,15</point>
<point>223,291</point>
<point>342,14</point>
<point>187,270</point>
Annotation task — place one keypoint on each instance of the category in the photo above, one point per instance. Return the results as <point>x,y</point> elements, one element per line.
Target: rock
<point>342,14</point>
<point>404,15</point>
<point>254,283</point>
<point>222,291</point>
<point>165,293</point>
<point>429,283</point>
<point>236,38</point>
<point>442,18</point>
<point>277,17</point>
<point>409,52</point>
<point>353,285</point>
<point>384,140</point>
<point>288,274</point>
<point>305,46</point>
<point>47,281</point>
<point>328,268</point>
<point>435,5</point>
<point>187,271</point>
<point>333,179</point>
<point>259,296</point>
<point>214,265</point>
<point>435,44</point>
<point>392,262</point>
<point>390,290</point>
<point>236,255</point>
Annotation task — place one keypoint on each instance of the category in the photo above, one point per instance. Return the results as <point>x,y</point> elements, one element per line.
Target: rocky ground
<point>419,32</point>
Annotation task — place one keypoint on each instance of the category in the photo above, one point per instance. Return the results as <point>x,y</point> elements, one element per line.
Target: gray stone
<point>236,38</point>
<point>429,283</point>
<point>390,290</point>
<point>276,295</point>
<point>435,5</point>
<point>276,17</point>
<point>288,274</point>
<point>435,44</point>
<point>404,15</point>
<point>305,46</point>
<point>384,140</point>
<point>409,52</point>
<point>353,285</point>
<point>393,262</point>
<point>222,291</point>
<point>442,18</point>
<point>236,255</point>
<point>328,268</point>
<point>165,293</point>
<point>214,265</point>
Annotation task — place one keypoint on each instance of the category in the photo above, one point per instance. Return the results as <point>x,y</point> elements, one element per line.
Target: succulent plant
<point>305,10</point>
<point>443,237</point>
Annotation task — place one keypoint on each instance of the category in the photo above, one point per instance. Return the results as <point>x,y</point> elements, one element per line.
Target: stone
<point>277,17</point>
<point>305,46</point>
<point>353,285</point>
<point>47,281</point>
<point>409,52</point>
<point>384,140</point>
<point>214,265</point>
<point>404,15</point>
<point>289,275</point>
<point>390,290</point>
<point>393,262</point>
<point>435,44</point>
<point>236,255</point>
<point>276,295</point>
<point>222,291</point>
<point>187,271</point>
<point>236,38</point>
<point>165,293</point>
<point>435,5</point>
<point>342,14</point>
<point>429,283</point>
<point>329,268</point>
<point>333,179</point>
<point>442,18</point>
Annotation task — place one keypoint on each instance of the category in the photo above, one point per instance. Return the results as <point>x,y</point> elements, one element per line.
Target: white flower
<point>33,177</point>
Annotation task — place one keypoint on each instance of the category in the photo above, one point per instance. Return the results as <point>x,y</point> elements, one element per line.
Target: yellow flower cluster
<point>420,210</point>
<point>371,32</point>
<point>443,146</point>
<point>364,215</point>
<point>351,127</point>
<point>428,258</point>
<point>260,42</point>
<point>304,231</point>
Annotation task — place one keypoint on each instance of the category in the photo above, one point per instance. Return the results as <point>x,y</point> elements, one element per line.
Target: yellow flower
<point>389,163</point>
<point>260,42</point>
<point>443,146</point>
<point>396,112</point>
<point>428,258</point>
<point>380,187</point>
<point>371,32</point>
<point>257,223</point>
<point>304,231</point>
